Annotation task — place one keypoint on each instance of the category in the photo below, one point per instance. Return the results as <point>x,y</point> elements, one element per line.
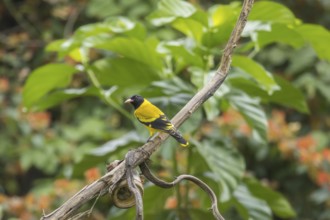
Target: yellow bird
<point>154,119</point>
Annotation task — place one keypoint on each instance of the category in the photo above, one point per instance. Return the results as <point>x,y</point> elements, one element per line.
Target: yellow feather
<point>147,112</point>
<point>155,120</point>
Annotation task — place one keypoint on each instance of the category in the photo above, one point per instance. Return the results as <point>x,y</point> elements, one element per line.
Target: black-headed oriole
<point>154,119</point>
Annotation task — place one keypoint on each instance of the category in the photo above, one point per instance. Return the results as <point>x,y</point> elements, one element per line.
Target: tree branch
<point>138,156</point>
<point>152,178</point>
<point>130,180</point>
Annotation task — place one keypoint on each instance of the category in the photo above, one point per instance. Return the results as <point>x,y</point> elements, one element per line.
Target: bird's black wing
<point>162,123</point>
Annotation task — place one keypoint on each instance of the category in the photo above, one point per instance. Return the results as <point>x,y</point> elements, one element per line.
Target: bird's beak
<point>128,101</point>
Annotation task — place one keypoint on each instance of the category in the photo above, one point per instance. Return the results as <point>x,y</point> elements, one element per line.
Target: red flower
<point>92,174</point>
<point>306,142</point>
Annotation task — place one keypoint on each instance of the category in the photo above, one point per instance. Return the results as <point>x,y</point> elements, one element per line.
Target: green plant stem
<point>253,52</point>
<point>106,98</point>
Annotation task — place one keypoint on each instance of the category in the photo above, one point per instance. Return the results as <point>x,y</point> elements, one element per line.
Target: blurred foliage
<point>261,142</point>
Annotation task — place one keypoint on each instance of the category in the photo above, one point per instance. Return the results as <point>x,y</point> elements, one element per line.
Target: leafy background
<point>262,142</point>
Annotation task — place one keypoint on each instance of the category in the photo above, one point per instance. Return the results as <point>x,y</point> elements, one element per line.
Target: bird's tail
<point>178,137</point>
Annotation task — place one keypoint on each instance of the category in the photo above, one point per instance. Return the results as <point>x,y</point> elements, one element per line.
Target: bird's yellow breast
<point>147,112</point>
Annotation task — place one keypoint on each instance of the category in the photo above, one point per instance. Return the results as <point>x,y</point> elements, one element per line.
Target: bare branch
<point>152,178</point>
<point>99,187</point>
<point>110,180</point>
<point>132,186</point>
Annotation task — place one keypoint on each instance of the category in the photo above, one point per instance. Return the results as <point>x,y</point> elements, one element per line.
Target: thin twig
<point>80,215</point>
<point>139,155</point>
<point>132,186</point>
<point>161,183</point>
<point>74,14</point>
<point>105,95</point>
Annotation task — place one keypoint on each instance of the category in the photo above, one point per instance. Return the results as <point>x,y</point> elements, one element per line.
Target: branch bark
<point>138,156</point>
<point>158,182</point>
<point>132,186</point>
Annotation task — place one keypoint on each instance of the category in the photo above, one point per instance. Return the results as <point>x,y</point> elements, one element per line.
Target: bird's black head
<point>135,100</point>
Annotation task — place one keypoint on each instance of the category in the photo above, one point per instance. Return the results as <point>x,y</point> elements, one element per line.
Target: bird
<point>154,119</point>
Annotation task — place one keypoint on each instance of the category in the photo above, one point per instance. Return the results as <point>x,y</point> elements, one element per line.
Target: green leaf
<point>216,36</point>
<point>55,45</point>
<point>199,77</point>
<point>222,14</point>
<point>168,10</point>
<point>183,56</point>
<point>223,19</point>
<point>280,33</point>
<point>85,161</point>
<point>162,214</point>
<point>252,112</point>
<point>321,195</point>
<point>172,214</point>
<point>318,37</point>
<point>313,84</point>
<point>249,206</point>
<point>124,72</point>
<point>300,60</point>
<point>272,12</point>
<point>153,206</point>
<point>142,51</point>
<point>189,27</point>
<point>307,82</point>
<point>102,9</point>
<point>201,16</point>
<point>264,78</point>
<point>279,205</point>
<point>212,109</point>
<point>123,25</point>
<point>45,79</point>
<point>226,164</point>
<point>111,25</point>
<point>56,97</point>
<point>288,95</point>
<point>151,203</point>
<point>323,88</point>
<point>119,214</point>
<point>97,33</point>
<point>252,27</point>
<point>112,145</point>
<point>89,128</point>
<point>182,16</point>
<point>89,30</point>
<point>65,47</point>
<point>198,214</point>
